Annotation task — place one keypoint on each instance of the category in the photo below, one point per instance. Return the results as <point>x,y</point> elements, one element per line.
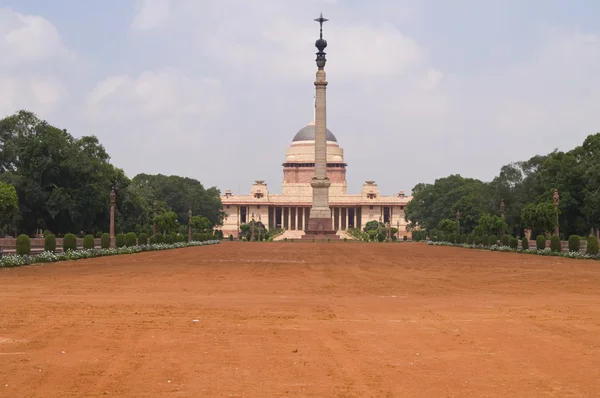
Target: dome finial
<point>321,44</point>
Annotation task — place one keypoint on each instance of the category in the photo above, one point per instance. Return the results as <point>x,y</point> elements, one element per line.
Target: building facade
<point>290,209</point>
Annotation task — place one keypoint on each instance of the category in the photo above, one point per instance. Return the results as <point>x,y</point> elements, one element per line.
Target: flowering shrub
<point>543,252</point>
<point>13,260</point>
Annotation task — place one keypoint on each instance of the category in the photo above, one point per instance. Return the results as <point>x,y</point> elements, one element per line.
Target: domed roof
<point>308,134</point>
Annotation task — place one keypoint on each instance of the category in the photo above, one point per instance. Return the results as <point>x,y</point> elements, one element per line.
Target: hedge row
<point>23,245</point>
<point>592,250</point>
<point>13,260</point>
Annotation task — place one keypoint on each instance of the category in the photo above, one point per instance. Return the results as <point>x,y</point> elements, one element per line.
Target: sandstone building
<point>290,209</point>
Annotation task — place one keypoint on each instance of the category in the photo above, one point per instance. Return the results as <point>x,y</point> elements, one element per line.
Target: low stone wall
<point>564,244</point>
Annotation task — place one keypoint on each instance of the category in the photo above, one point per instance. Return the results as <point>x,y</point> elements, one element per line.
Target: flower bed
<point>500,248</point>
<point>14,260</point>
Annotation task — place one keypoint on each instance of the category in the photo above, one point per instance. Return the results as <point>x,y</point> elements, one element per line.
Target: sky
<point>216,90</point>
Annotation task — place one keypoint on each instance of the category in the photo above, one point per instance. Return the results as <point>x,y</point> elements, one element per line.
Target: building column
<point>289,218</point>
<point>347,218</point>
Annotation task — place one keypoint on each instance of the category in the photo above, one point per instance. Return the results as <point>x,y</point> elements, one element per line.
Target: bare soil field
<point>302,320</point>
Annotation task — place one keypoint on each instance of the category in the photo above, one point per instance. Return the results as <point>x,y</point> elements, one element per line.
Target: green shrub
<point>105,241</point>
<point>525,243</point>
<point>513,243</point>
<point>540,242</point>
<point>131,239</point>
<point>174,238</point>
<point>441,237</point>
<point>405,238</point>
<point>143,239</point>
<point>220,234</point>
<point>555,245</point>
<point>505,239</point>
<point>470,240</point>
<point>23,245</point>
<point>477,241</point>
<point>50,243</point>
<point>88,242</point>
<point>381,237</point>
<point>168,239</point>
<point>69,242</point>
<point>493,240</point>
<point>574,243</point>
<point>120,240</point>
<point>46,233</point>
<point>152,240</point>
<point>160,238</point>
<point>592,245</point>
<point>230,237</point>
<point>485,240</point>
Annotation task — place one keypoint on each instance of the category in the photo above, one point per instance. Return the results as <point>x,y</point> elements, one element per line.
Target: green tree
<point>540,217</point>
<point>167,222</point>
<point>490,225</point>
<point>200,224</point>
<point>448,226</point>
<point>9,206</point>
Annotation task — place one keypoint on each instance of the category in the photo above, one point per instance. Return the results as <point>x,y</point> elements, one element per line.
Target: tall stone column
<point>320,214</point>
<point>113,198</point>
<point>555,199</point>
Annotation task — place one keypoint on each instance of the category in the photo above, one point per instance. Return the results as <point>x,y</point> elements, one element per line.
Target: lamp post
<point>155,208</point>
<point>502,216</point>
<point>190,224</point>
<point>458,220</point>
<point>389,231</point>
<point>556,199</point>
<point>113,198</point>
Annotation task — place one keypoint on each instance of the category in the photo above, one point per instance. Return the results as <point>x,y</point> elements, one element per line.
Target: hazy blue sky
<point>215,90</point>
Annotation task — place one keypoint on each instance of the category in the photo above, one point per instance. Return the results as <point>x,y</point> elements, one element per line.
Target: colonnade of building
<point>296,217</point>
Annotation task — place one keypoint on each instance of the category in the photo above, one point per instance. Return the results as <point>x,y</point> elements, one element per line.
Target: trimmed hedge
<point>493,240</point>
<point>120,240</point>
<point>513,243</point>
<point>470,240</point>
<point>105,241</point>
<point>69,242</point>
<point>131,239</point>
<point>142,239</point>
<point>574,243</point>
<point>50,243</point>
<point>152,240</point>
<point>485,240</point>
<point>525,243</point>
<point>505,239</point>
<point>592,245</point>
<point>23,245</point>
<point>555,245</point>
<point>477,241</point>
<point>540,242</point>
<point>88,242</point>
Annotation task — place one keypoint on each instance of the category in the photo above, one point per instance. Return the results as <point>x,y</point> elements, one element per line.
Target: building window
<point>258,195</point>
<point>370,207</point>
<point>371,196</point>
<point>227,206</point>
<point>258,207</point>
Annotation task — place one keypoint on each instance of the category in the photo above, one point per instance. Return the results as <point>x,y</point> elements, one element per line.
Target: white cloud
<point>28,38</point>
<point>150,14</point>
<point>30,45</point>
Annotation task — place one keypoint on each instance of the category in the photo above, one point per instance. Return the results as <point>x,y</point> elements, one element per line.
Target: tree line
<point>525,189</point>
<point>52,181</point>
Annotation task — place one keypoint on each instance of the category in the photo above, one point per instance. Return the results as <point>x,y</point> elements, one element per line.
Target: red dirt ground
<point>302,320</point>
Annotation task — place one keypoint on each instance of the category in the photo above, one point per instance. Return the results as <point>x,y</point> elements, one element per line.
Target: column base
<point>320,228</point>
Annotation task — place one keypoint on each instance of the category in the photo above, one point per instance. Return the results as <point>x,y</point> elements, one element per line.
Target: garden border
<point>14,260</point>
